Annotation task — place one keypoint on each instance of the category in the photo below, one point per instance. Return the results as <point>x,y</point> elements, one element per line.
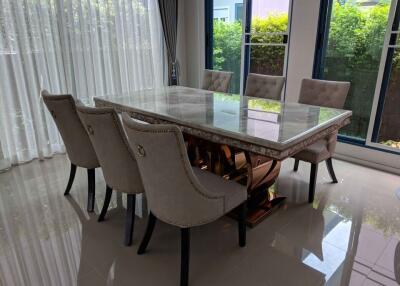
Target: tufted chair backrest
<point>79,148</point>
<point>264,86</point>
<point>115,155</point>
<point>217,80</point>
<point>173,192</point>
<point>324,93</point>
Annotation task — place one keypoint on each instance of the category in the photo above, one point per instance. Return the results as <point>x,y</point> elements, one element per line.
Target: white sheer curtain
<point>84,47</point>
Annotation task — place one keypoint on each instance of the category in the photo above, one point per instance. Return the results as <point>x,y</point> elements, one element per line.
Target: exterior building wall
<point>261,8</point>
<point>226,8</point>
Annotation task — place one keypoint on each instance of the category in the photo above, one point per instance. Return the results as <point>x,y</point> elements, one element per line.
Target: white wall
<point>191,42</point>
<point>302,45</point>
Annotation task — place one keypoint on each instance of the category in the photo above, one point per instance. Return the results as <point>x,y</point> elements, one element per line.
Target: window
<point>238,11</point>
<point>224,40</point>
<point>352,53</point>
<point>267,31</point>
<point>385,129</point>
<point>358,43</point>
<point>266,34</point>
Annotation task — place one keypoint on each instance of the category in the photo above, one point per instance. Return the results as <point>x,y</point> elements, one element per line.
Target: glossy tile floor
<point>349,236</point>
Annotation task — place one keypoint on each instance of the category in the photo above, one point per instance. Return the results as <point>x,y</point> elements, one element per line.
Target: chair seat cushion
<point>314,153</point>
<point>234,194</point>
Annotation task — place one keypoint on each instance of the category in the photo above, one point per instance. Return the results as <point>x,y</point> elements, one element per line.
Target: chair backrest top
<point>112,148</point>
<point>324,93</point>
<point>173,192</point>
<point>218,72</point>
<point>264,86</point>
<point>49,96</point>
<point>218,81</point>
<point>63,110</point>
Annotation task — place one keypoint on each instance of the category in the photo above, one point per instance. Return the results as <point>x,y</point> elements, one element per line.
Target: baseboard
<point>368,157</point>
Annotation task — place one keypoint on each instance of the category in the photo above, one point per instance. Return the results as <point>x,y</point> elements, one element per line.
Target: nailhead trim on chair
<point>197,186</point>
<point>117,122</point>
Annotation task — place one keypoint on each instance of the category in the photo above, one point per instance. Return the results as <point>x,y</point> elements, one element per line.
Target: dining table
<point>270,128</point>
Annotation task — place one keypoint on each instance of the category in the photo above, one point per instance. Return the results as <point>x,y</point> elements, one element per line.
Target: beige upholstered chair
<point>327,94</point>
<point>176,193</point>
<point>79,148</point>
<point>264,86</point>
<point>116,159</point>
<point>217,80</point>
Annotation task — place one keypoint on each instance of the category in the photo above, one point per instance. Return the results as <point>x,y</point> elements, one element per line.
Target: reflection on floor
<point>349,236</point>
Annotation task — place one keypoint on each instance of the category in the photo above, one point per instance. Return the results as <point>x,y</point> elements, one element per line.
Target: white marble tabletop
<point>266,127</point>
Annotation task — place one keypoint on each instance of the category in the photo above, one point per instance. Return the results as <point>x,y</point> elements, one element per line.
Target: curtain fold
<point>84,47</point>
<point>169,19</point>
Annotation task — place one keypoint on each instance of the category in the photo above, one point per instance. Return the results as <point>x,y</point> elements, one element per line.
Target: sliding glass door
<point>224,20</point>
<point>384,131</point>
<point>267,37</point>
<point>359,43</point>
<point>247,36</point>
<point>351,51</point>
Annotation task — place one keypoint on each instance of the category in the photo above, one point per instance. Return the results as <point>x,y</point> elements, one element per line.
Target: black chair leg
<point>296,165</point>
<point>329,165</point>
<point>91,189</point>
<point>106,204</point>
<point>191,149</point>
<point>130,219</point>
<point>71,179</point>
<point>147,236</point>
<point>313,182</point>
<point>242,224</point>
<point>185,254</point>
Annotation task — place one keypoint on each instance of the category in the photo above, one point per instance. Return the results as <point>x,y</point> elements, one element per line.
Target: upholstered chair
<point>217,80</point>
<point>116,159</point>
<point>176,193</point>
<point>264,86</point>
<point>77,143</point>
<point>323,93</point>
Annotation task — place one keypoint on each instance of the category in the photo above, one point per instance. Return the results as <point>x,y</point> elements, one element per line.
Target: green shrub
<point>227,49</point>
<point>357,32</point>
<point>354,53</point>
<point>268,59</point>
